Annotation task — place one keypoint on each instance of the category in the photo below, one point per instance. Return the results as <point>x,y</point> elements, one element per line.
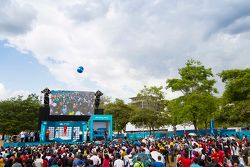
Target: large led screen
<point>72,103</point>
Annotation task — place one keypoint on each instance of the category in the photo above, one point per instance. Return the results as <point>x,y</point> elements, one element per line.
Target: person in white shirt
<point>39,161</point>
<point>96,160</point>
<point>127,160</point>
<point>32,135</point>
<point>146,150</point>
<point>22,136</point>
<point>241,160</point>
<point>118,162</point>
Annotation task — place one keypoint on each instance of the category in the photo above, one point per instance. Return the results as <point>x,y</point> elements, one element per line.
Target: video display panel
<point>72,103</point>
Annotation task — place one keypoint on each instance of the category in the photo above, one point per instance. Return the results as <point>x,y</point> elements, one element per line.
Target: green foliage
<point>18,114</point>
<point>175,112</point>
<point>197,103</point>
<point>121,113</point>
<point>236,97</point>
<point>152,97</point>
<point>147,118</point>
<point>152,113</point>
<point>104,101</point>
<point>237,86</point>
<point>194,79</point>
<point>200,108</point>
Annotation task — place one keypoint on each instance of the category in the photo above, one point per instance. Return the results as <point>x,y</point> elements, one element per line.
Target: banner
<point>211,126</point>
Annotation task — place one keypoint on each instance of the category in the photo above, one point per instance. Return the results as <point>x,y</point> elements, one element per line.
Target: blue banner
<point>211,126</point>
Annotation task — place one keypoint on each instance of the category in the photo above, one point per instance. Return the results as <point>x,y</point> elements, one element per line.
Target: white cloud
<point>6,93</point>
<point>2,91</point>
<point>16,18</point>
<point>124,45</point>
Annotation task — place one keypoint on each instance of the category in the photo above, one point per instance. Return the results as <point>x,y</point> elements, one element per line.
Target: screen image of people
<point>72,103</point>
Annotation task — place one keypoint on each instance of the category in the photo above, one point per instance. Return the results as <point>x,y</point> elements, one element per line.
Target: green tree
<point>200,108</point>
<point>196,85</point>
<point>121,113</point>
<point>148,118</point>
<point>18,114</point>
<point>104,101</point>
<point>236,97</point>
<point>175,113</point>
<point>152,98</point>
<point>150,112</point>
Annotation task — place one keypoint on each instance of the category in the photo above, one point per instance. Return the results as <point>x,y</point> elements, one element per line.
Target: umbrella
<point>232,138</point>
<point>151,139</point>
<point>199,150</point>
<point>195,143</point>
<point>155,156</point>
<point>192,134</point>
<point>144,141</point>
<point>146,159</point>
<point>79,162</point>
<point>224,138</point>
<point>137,143</point>
<point>117,141</point>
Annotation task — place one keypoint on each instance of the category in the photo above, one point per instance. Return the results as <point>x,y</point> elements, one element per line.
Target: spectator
<point>158,163</point>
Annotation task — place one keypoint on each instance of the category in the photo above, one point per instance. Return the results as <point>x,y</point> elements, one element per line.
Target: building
<point>149,102</point>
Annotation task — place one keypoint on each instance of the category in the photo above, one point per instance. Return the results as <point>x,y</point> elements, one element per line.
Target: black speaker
<point>43,114</point>
<point>99,111</point>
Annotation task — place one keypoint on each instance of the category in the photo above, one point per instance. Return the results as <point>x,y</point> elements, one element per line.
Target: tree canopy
<point>236,97</point>
<point>197,87</point>
<point>121,113</point>
<point>18,114</point>
<point>151,113</point>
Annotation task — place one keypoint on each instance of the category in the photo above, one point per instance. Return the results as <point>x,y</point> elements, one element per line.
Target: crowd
<point>177,151</point>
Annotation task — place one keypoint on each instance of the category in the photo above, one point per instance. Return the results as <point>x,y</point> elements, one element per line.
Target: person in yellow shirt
<point>138,163</point>
<point>1,160</point>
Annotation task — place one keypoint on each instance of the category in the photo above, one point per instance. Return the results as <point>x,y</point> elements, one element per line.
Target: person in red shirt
<point>215,155</point>
<point>106,160</point>
<point>65,130</point>
<point>45,161</point>
<point>47,135</point>
<point>185,160</point>
<point>221,155</point>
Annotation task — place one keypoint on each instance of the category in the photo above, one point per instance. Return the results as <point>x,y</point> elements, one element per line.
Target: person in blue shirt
<point>195,164</point>
<point>158,163</point>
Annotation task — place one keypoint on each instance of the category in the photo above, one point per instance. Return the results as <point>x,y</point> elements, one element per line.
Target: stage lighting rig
<point>46,93</point>
<point>98,95</point>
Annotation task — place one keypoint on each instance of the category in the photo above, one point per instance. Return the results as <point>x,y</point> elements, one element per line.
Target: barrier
<point>26,144</point>
<point>202,132</point>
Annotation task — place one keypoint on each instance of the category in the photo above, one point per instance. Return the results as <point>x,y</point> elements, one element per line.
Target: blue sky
<point>22,71</point>
<point>123,45</point>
